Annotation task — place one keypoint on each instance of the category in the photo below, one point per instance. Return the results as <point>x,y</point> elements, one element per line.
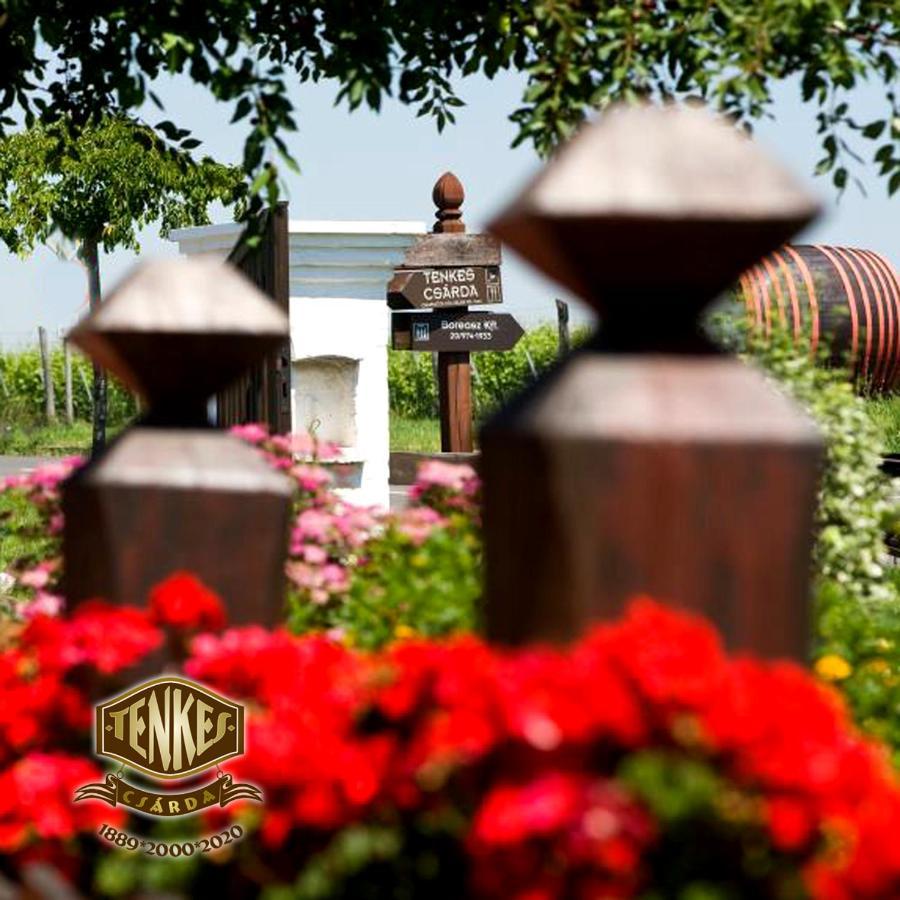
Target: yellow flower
<point>832,667</point>
<point>404,631</point>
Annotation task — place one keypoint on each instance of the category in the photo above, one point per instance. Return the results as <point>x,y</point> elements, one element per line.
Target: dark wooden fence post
<point>648,462</point>
<point>170,493</point>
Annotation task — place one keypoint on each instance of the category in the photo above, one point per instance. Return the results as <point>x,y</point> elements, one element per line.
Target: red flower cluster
<point>36,800</point>
<point>46,714</point>
<point>528,751</point>
<point>184,602</point>
<point>528,745</point>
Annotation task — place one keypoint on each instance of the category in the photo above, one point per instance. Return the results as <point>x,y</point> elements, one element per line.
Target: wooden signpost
<point>449,271</point>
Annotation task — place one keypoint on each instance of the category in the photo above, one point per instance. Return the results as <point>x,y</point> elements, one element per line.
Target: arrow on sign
<point>455,331</point>
<point>444,286</point>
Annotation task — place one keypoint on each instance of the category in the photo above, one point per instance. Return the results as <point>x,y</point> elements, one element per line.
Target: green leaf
<point>873,129</point>
<point>245,104</point>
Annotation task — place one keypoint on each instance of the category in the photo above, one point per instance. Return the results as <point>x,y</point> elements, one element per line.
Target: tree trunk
<point>91,258</point>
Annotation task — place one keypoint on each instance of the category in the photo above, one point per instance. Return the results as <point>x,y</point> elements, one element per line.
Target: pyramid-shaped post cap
<point>664,201</point>
<point>178,330</point>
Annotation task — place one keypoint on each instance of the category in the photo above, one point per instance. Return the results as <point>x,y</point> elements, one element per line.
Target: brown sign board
<point>444,286</point>
<point>454,331</point>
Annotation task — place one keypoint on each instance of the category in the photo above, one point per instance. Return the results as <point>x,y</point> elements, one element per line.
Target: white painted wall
<point>340,327</point>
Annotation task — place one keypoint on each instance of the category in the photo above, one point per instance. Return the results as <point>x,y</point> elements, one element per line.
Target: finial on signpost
<point>448,195</point>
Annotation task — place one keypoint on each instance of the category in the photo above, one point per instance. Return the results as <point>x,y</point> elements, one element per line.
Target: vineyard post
<point>49,396</point>
<point>67,371</point>
<point>562,325</point>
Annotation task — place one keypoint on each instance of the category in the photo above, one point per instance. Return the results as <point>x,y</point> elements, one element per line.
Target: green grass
<point>885,411</point>
<point>415,435</point>
<point>36,439</point>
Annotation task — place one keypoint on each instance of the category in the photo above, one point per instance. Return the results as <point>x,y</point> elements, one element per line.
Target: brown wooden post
<point>171,493</point>
<point>648,462</point>
<point>453,370</point>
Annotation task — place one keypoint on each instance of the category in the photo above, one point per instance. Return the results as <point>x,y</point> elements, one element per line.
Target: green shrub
<point>496,377</point>
<point>22,388</point>
<point>854,508</point>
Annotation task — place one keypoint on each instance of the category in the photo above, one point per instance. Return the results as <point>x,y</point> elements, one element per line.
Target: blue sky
<point>382,166</point>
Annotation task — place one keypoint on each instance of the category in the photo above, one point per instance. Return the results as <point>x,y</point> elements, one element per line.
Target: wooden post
<point>454,370</point>
<point>191,497</point>
<point>67,371</point>
<point>648,462</point>
<point>86,388</point>
<point>562,326</point>
<point>49,395</point>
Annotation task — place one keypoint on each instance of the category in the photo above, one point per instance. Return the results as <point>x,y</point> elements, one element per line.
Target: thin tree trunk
<point>91,258</point>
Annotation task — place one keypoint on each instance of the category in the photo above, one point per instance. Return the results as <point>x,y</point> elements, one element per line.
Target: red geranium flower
<point>184,602</point>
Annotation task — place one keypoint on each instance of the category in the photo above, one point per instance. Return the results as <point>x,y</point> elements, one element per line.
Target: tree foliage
<point>103,185</point>
<point>79,59</point>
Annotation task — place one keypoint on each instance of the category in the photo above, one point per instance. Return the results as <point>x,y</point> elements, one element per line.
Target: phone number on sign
<point>176,849</point>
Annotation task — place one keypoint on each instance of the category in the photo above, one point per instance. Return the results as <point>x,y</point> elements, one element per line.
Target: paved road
<point>15,465</point>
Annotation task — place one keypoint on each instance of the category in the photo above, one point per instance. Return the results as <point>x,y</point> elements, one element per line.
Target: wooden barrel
<point>841,297</point>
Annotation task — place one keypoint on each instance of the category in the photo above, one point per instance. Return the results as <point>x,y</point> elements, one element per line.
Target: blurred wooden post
<point>648,462</point>
<point>453,369</point>
<point>67,372</point>
<point>562,327</point>
<point>46,368</point>
<point>171,493</point>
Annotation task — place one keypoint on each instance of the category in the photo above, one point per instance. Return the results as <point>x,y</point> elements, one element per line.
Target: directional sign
<point>455,331</point>
<point>443,286</point>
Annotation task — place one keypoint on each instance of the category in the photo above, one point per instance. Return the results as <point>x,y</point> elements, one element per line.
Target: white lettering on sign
<point>449,276</point>
<point>450,292</point>
<point>470,325</point>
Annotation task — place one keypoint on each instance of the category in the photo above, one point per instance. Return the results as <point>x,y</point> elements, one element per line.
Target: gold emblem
<point>169,728</point>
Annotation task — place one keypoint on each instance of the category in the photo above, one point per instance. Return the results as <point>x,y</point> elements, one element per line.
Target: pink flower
<point>440,474</point>
<point>418,523</point>
<point>294,444</point>
<point>312,525</point>
<point>252,433</point>
<point>39,576</point>
<point>313,554</point>
<point>43,604</point>
<point>311,478</point>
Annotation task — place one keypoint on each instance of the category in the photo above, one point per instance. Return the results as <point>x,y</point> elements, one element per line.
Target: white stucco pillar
<point>340,328</point>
